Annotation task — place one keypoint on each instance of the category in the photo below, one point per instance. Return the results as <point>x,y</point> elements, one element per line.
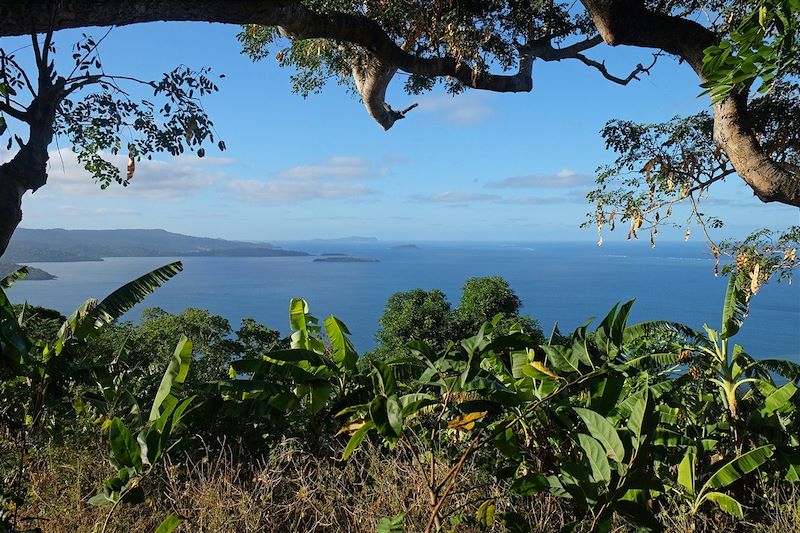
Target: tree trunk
<point>10,207</point>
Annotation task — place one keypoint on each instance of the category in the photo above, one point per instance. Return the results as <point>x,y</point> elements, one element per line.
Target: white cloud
<point>334,178</point>
<point>456,197</point>
<point>565,178</point>
<point>464,109</point>
<point>335,168</point>
<point>169,179</point>
<point>289,190</point>
<point>77,211</point>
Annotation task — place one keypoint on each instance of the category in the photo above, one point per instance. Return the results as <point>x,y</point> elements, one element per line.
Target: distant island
<point>405,247</point>
<point>60,245</point>
<point>345,259</point>
<point>34,274</point>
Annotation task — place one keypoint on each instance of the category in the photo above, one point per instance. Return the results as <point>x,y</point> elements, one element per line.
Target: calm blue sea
<point>566,282</point>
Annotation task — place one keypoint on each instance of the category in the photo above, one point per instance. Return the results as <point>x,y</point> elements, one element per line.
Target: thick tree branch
<point>13,112</point>
<point>619,22</point>
<point>629,22</point>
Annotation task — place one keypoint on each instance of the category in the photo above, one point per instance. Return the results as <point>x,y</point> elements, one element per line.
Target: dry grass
<point>294,490</point>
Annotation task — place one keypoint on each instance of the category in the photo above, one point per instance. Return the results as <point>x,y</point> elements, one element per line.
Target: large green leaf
<point>777,399</point>
<point>298,309</point>
<point>601,429</point>
<point>383,378</point>
<point>726,503</point>
<point>392,524</point>
<point>172,381</point>
<point>123,445</point>
<point>320,393</point>
<point>560,358</point>
<point>123,299</point>
<point>169,524</point>
<point>394,414</point>
<point>744,464</point>
<point>734,308</point>
<point>356,439</point>
<point>14,343</point>
<point>788,369</point>
<point>344,353</point>
<point>686,472</point>
<point>12,277</point>
<point>529,484</point>
<point>639,412</point>
<point>601,471</point>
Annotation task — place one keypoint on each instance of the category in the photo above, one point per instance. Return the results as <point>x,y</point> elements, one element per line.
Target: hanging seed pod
<point>131,170</point>
<point>755,278</point>
<point>715,253</point>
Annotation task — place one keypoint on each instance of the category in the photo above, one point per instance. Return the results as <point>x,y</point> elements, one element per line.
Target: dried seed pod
<point>755,278</point>
<point>131,167</point>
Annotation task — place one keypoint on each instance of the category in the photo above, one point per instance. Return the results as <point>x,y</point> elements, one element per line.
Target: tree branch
<point>619,22</point>
<point>629,22</point>
<point>634,75</point>
<point>13,112</point>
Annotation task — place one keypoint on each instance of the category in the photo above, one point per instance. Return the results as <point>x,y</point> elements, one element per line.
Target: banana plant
<point>135,451</point>
<point>730,368</point>
<point>499,392</point>
<point>35,366</point>
<point>306,378</point>
<point>696,495</point>
<point>85,323</point>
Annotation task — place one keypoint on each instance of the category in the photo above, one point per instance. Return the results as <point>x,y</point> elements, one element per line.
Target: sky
<point>478,167</point>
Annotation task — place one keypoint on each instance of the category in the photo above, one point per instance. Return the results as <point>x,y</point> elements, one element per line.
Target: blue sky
<point>480,166</point>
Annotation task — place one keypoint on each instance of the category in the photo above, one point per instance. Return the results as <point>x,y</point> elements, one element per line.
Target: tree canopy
<point>427,316</point>
<point>732,46</point>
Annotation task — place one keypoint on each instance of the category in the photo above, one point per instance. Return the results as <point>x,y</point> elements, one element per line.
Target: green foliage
<point>664,174</point>
<point>415,315</point>
<point>481,34</point>
<point>619,420</point>
<point>100,118</point>
<point>764,46</point>
<point>482,299</point>
<point>426,316</point>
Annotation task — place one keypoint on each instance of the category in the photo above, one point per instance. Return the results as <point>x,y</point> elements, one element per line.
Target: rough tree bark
<point>619,22</point>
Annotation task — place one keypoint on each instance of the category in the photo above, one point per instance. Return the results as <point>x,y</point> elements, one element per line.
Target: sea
<point>563,283</point>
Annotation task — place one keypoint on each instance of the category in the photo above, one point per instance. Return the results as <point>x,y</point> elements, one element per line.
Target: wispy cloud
<point>334,178</point>
<point>342,167</point>
<point>465,109</point>
<point>563,179</point>
<point>77,211</point>
<point>455,197</point>
<point>170,179</point>
<point>293,191</point>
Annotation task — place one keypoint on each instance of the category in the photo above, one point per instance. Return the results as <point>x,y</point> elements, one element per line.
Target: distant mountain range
<point>58,245</point>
